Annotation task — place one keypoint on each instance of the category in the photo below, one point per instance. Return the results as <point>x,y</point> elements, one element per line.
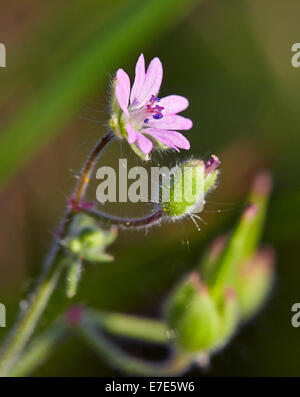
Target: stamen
<point>152,100</point>
<point>156,110</point>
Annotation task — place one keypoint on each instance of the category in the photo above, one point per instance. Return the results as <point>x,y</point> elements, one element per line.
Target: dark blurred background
<point>232,59</point>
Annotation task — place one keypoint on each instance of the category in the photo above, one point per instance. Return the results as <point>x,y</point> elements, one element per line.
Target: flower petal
<point>123,90</point>
<point>173,139</point>
<point>152,81</point>
<point>131,133</point>
<point>138,81</point>
<point>173,104</point>
<point>144,143</point>
<point>165,141</point>
<point>171,122</point>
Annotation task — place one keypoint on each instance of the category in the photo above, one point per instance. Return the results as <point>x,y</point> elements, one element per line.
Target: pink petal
<point>131,133</point>
<point>152,81</point>
<point>172,139</point>
<point>123,90</point>
<point>144,143</point>
<point>165,141</point>
<point>138,81</point>
<point>171,122</point>
<point>173,104</point>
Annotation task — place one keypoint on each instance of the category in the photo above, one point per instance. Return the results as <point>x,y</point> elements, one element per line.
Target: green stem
<point>149,220</point>
<point>25,327</point>
<point>39,349</point>
<point>114,323</point>
<point>134,327</point>
<point>89,330</point>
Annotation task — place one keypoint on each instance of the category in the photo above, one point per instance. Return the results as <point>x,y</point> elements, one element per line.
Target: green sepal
<point>74,271</point>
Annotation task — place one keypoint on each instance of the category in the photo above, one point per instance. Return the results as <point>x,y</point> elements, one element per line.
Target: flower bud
<point>210,260</point>
<point>229,312</point>
<point>182,191</point>
<point>88,241</point>
<point>199,325</point>
<point>254,281</point>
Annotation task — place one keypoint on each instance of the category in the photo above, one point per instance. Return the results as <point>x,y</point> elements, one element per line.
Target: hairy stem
<point>146,221</point>
<point>119,324</point>
<point>89,166</point>
<point>39,349</point>
<point>24,328</point>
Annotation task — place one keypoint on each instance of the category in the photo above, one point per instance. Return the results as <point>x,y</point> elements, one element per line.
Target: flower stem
<point>114,323</point>
<point>134,327</point>
<point>89,166</point>
<point>146,221</point>
<point>26,325</point>
<point>39,349</point>
<point>89,330</point>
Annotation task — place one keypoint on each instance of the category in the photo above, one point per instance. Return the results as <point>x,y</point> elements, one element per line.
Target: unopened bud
<point>229,312</point>
<point>254,281</point>
<point>193,316</point>
<point>183,190</point>
<point>211,258</point>
<point>88,241</point>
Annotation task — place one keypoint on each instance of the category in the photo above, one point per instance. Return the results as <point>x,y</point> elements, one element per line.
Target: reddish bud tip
<point>194,279</point>
<point>74,314</point>
<point>266,257</point>
<point>217,247</point>
<point>262,183</point>
<point>212,164</point>
<point>203,289</point>
<point>250,212</point>
<point>262,262</point>
<point>230,293</point>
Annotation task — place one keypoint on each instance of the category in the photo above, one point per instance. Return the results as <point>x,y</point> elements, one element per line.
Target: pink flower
<point>143,118</point>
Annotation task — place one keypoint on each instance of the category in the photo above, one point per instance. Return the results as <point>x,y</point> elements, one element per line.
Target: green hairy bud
<point>183,190</point>
<point>86,242</point>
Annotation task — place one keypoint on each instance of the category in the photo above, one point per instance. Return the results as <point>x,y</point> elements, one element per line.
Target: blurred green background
<point>232,59</point>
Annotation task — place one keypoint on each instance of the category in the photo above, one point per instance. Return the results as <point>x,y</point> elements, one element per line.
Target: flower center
<point>140,118</point>
<point>154,109</point>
